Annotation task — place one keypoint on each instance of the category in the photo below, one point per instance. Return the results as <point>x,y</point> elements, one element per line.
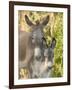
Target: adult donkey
<point>32,45</point>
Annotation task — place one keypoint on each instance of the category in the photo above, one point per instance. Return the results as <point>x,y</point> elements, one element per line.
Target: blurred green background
<point>53,29</point>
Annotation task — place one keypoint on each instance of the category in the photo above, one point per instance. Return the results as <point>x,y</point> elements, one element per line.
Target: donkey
<point>43,69</point>
<point>32,44</point>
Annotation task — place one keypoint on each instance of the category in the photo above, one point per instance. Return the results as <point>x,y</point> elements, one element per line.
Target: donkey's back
<point>24,44</point>
<point>25,48</point>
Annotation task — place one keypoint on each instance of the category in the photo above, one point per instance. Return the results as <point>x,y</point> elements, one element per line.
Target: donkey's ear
<point>53,44</point>
<point>45,20</point>
<point>28,21</point>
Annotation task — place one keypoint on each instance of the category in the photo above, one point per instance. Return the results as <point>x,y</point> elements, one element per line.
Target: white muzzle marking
<point>37,51</point>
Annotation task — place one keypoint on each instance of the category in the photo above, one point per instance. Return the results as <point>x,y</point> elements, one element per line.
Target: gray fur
<point>33,52</point>
<point>43,68</point>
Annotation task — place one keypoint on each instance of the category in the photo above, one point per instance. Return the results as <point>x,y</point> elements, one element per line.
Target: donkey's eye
<point>43,38</point>
<point>33,40</point>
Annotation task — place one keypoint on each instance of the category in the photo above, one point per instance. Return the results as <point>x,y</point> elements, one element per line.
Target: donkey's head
<point>49,52</point>
<point>37,36</point>
<point>49,57</point>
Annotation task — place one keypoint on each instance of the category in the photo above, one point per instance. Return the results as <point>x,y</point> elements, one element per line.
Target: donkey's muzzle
<point>38,57</point>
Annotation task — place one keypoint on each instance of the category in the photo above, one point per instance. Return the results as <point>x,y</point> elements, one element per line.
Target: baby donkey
<point>43,68</point>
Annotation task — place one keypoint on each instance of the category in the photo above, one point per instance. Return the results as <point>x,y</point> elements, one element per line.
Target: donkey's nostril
<point>38,57</point>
